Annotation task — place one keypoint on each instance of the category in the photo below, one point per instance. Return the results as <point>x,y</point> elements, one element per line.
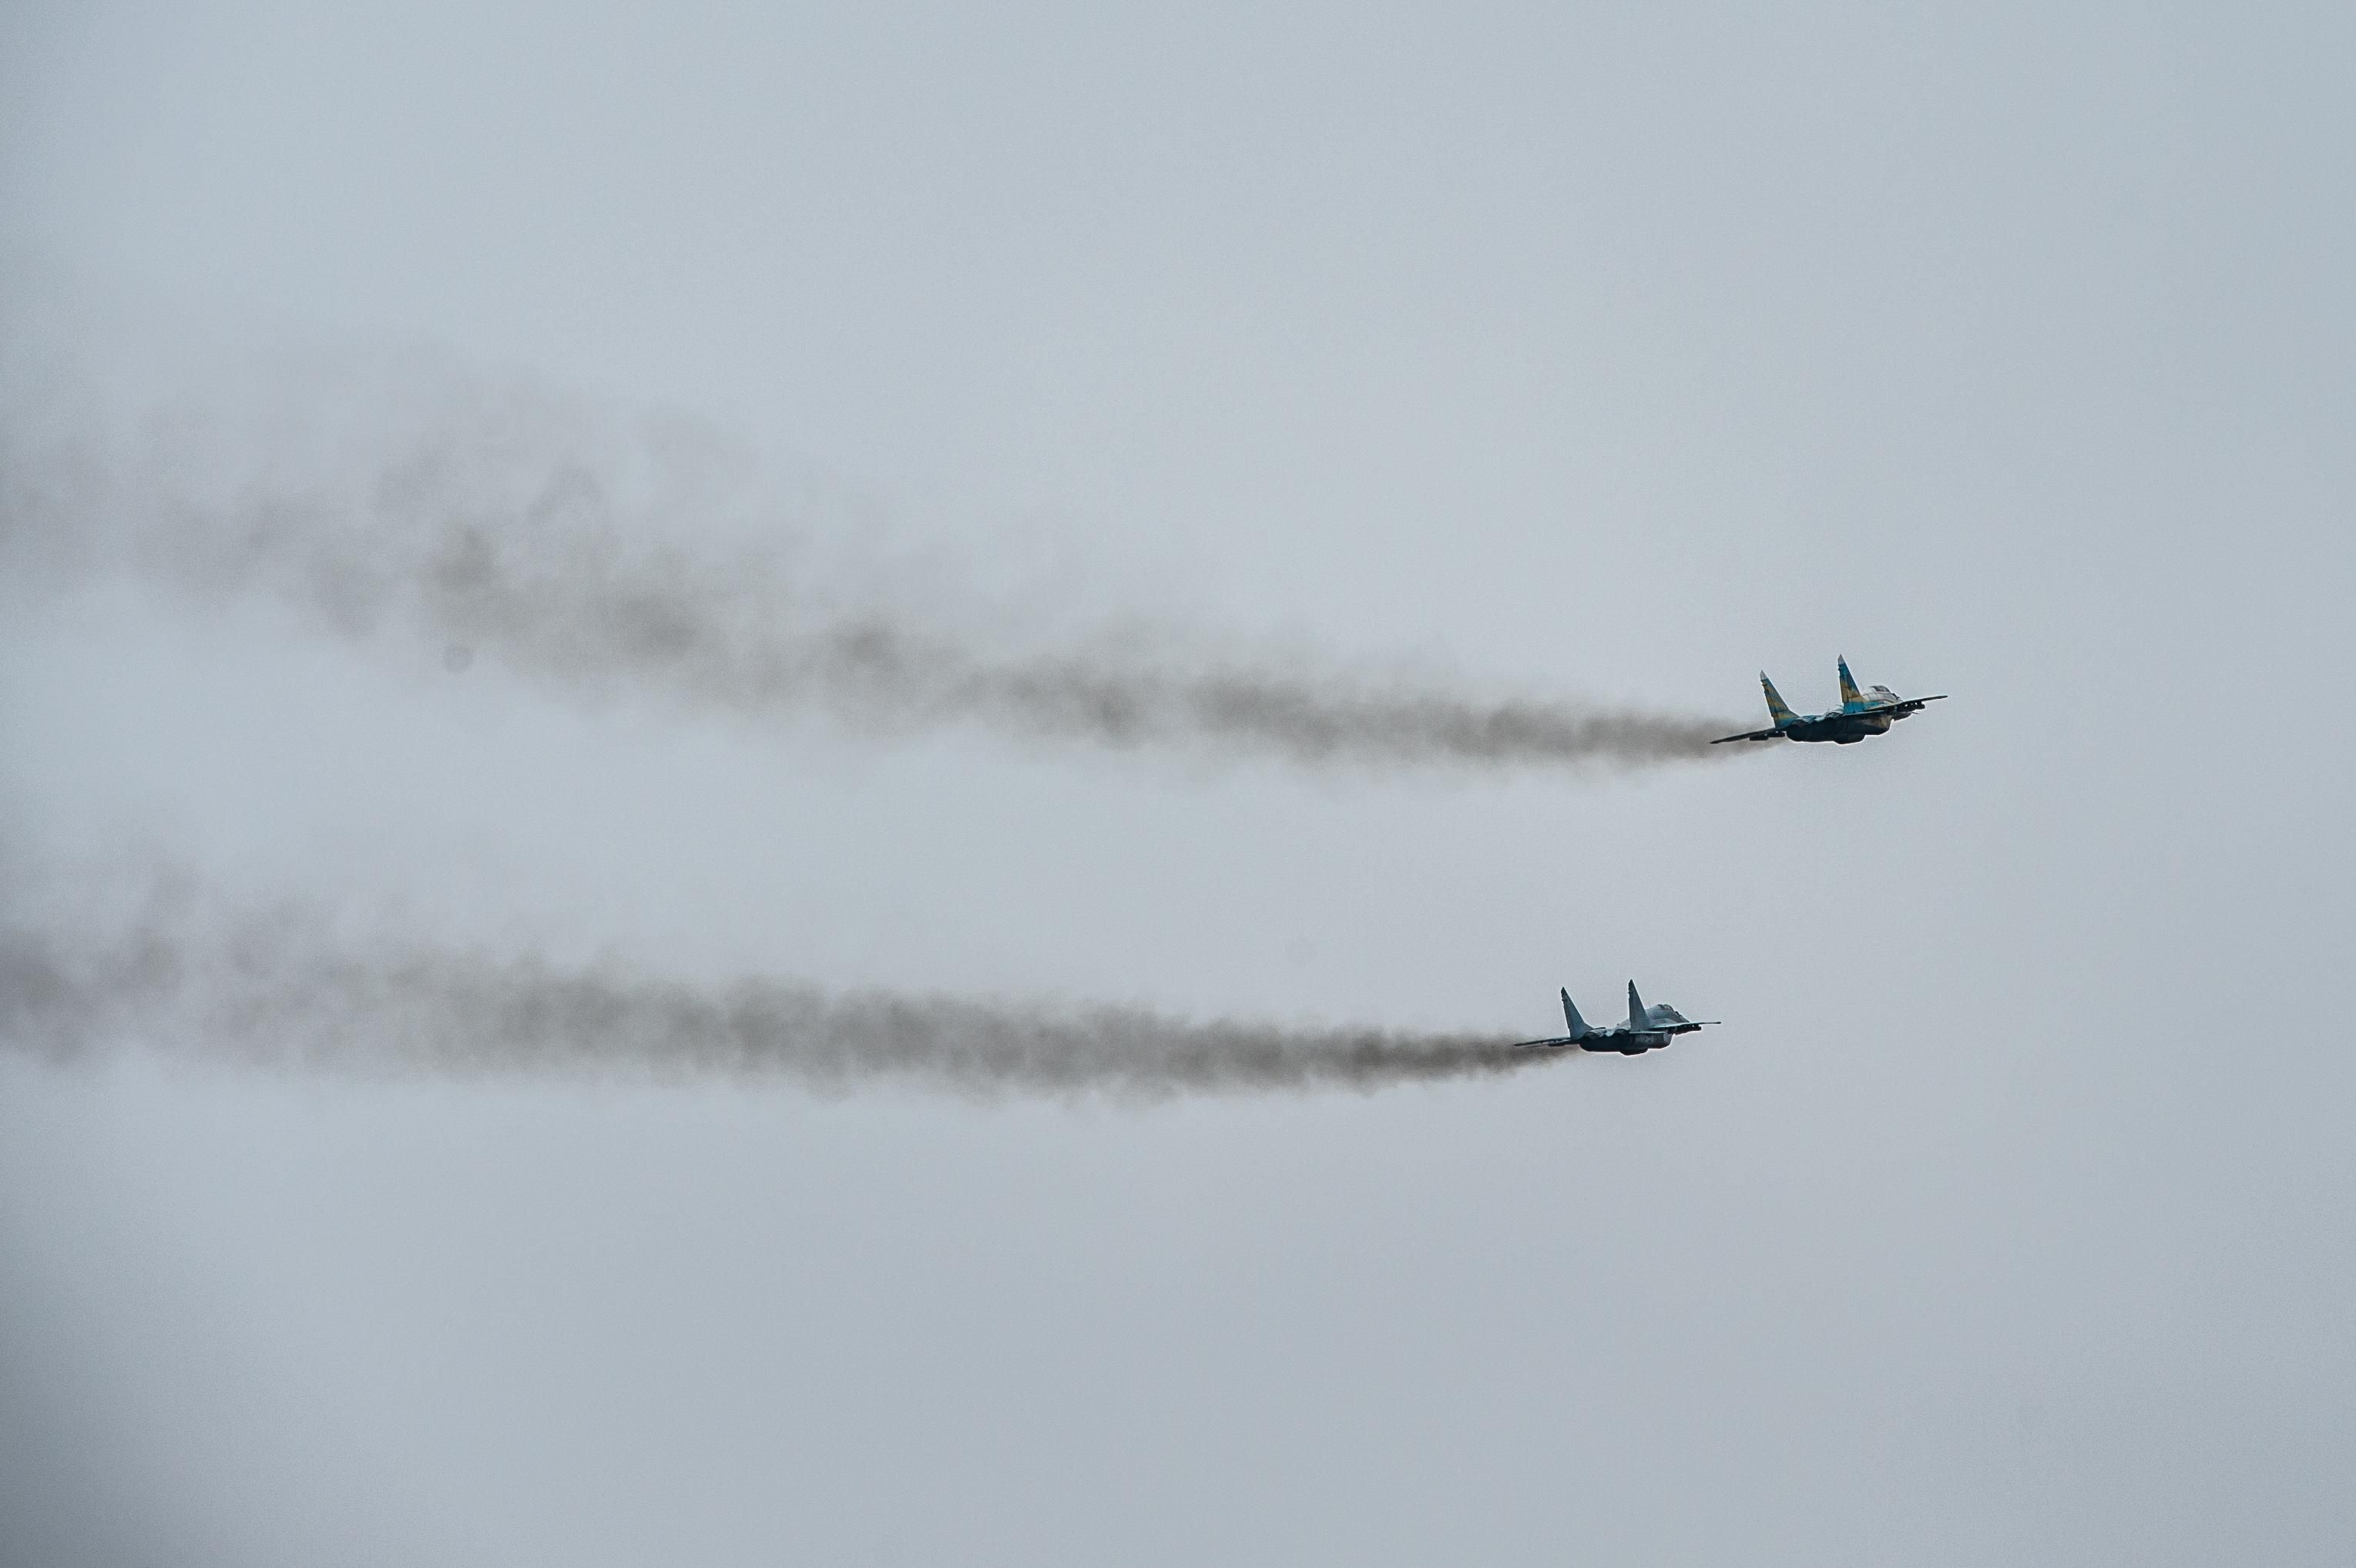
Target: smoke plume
<point>266,994</point>
<point>583,560</point>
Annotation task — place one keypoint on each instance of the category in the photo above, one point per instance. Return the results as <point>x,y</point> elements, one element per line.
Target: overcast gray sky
<point>1606,354</point>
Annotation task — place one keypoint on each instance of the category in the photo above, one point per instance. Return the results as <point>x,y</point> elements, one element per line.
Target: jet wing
<point>1908,707</point>
<point>1750,735</point>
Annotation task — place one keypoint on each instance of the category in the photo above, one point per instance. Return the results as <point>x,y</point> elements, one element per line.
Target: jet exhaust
<point>576,562</point>
<point>264,994</point>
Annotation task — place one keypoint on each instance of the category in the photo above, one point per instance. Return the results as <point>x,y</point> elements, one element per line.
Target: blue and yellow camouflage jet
<point>1861,713</point>
<point>1647,1030</point>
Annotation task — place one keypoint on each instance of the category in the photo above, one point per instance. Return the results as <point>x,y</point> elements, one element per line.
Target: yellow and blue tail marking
<point>1775,708</point>
<point>1851,698</point>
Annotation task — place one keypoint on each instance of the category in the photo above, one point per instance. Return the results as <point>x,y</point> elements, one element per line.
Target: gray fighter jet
<point>1861,713</point>
<point>1647,1029</point>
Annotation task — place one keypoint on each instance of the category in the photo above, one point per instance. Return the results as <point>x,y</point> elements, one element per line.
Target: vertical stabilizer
<point>1570,1018</point>
<point>1850,696</point>
<point>1637,1018</point>
<point>1775,708</point>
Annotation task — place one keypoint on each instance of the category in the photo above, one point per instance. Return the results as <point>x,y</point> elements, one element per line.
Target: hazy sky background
<point>2011,1215</point>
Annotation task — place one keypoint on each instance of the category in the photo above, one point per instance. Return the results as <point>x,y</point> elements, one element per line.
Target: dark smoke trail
<point>571,566</point>
<point>264,996</point>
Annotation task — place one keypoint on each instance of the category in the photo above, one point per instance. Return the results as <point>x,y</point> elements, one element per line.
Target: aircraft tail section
<point>1570,1018</point>
<point>1850,696</point>
<point>1637,1018</point>
<point>1775,708</point>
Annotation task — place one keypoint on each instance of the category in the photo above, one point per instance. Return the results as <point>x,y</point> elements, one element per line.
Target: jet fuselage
<point>1622,1042</point>
<point>1841,729</point>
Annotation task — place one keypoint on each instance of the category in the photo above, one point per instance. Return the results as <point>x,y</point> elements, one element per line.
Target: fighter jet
<point>1647,1029</point>
<point>1861,713</point>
